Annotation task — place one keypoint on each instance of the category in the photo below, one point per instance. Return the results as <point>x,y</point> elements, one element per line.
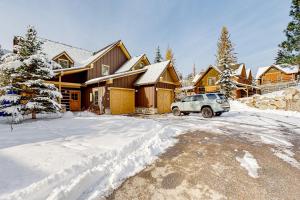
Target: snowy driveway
<point>85,157</point>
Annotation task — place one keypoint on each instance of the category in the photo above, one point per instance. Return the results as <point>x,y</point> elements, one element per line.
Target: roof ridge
<point>65,44</point>
<point>113,43</point>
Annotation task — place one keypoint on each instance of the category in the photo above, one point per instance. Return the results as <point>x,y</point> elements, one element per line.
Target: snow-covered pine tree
<point>1,53</point>
<point>289,50</point>
<point>37,96</point>
<point>225,82</point>
<point>27,70</point>
<point>225,52</point>
<point>9,89</point>
<point>158,57</point>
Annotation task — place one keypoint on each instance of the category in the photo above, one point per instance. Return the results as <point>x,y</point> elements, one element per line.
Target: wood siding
<point>145,97</point>
<point>115,58</point>
<point>274,75</point>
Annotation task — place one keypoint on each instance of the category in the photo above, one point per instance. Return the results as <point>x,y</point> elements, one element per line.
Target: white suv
<point>208,104</point>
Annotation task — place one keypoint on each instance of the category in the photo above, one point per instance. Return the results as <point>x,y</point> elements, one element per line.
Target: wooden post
<point>59,87</point>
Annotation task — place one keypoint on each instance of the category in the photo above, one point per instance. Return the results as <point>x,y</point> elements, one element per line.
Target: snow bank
<point>250,164</point>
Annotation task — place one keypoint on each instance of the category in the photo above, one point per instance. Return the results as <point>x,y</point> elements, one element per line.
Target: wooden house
<point>110,80</point>
<point>275,74</point>
<point>207,82</point>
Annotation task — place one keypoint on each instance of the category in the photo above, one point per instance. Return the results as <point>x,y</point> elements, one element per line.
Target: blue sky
<point>190,28</point>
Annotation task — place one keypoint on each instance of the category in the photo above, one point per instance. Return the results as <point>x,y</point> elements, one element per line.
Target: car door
<point>187,104</point>
<point>196,103</point>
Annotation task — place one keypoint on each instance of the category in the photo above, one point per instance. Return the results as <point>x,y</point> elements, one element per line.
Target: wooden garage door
<point>164,100</point>
<point>122,101</point>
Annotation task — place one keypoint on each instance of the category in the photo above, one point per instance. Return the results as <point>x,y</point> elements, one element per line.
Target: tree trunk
<point>33,114</point>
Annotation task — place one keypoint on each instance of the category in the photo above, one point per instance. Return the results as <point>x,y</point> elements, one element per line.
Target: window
<point>198,98</point>
<point>221,96</point>
<point>96,98</point>
<point>105,70</point>
<point>74,96</point>
<point>211,81</point>
<point>211,96</point>
<point>64,63</point>
<point>187,99</point>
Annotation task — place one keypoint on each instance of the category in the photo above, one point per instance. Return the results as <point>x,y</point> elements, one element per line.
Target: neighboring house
<point>274,74</point>
<point>242,77</point>
<point>111,80</point>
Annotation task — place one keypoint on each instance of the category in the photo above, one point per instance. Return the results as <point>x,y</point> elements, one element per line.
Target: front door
<point>75,103</point>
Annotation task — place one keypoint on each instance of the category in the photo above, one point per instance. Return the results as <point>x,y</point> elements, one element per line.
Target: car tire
<point>207,112</point>
<point>186,113</point>
<point>218,113</point>
<point>176,111</point>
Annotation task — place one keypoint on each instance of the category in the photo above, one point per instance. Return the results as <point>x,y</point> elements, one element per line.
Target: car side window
<point>187,99</point>
<point>198,98</point>
<point>211,96</point>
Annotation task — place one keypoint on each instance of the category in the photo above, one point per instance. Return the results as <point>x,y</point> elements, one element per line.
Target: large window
<point>64,63</point>
<point>211,81</point>
<point>105,70</point>
<point>211,96</point>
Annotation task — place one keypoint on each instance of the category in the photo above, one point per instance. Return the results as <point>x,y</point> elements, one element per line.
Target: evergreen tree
<point>28,69</point>
<point>1,53</point>
<point>289,51</point>
<point>158,57</point>
<point>170,55</point>
<point>225,82</point>
<point>225,52</point>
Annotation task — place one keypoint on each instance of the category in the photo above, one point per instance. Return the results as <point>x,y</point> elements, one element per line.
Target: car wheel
<point>207,112</point>
<point>176,111</point>
<point>218,113</point>
<point>186,113</point>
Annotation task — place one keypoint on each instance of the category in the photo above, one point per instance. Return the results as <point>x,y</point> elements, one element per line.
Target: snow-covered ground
<point>85,156</point>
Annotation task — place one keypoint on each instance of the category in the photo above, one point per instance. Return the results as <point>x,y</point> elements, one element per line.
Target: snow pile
<point>250,164</point>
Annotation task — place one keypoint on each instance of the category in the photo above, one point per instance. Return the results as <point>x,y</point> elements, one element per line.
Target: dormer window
<point>105,70</point>
<point>64,63</point>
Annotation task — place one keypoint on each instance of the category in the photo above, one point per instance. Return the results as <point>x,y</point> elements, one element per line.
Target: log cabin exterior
<point>110,80</point>
<point>276,74</point>
<point>207,82</point>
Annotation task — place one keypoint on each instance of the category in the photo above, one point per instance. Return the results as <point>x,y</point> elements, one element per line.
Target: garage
<point>122,101</point>
<point>164,100</point>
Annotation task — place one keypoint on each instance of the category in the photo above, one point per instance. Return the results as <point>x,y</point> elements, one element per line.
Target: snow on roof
<point>248,72</point>
<point>153,73</point>
<point>190,87</point>
<point>129,64</point>
<point>239,70</point>
<point>288,69</point>
<point>52,49</point>
<point>98,53</point>
<point>113,76</point>
<point>195,79</point>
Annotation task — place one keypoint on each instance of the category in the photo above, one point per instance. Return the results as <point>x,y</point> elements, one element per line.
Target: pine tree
<point>170,55</point>
<point>158,57</point>
<point>28,69</point>
<point>289,50</point>
<point>225,82</point>
<point>1,53</point>
<point>225,52</point>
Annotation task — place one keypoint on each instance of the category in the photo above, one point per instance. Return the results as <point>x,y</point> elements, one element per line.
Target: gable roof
<point>288,69</point>
<point>131,63</point>
<point>239,70</point>
<point>248,73</point>
<point>52,49</point>
<point>206,71</point>
<point>153,73</point>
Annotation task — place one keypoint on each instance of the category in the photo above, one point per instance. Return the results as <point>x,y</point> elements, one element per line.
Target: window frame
<point>64,60</point>
<point>108,70</point>
<point>211,78</point>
